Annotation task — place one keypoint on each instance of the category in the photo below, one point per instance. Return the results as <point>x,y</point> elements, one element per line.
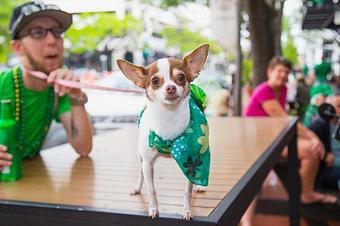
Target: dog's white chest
<point>168,124</point>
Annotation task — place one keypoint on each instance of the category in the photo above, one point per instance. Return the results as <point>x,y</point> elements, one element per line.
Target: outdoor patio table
<point>59,188</point>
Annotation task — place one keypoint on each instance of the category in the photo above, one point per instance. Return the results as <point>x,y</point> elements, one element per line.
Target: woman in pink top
<point>268,100</point>
<point>261,94</point>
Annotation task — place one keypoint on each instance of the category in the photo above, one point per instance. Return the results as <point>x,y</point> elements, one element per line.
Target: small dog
<point>167,115</point>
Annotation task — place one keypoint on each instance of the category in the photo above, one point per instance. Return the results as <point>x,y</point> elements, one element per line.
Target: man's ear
<point>16,47</point>
<point>133,72</point>
<point>196,59</point>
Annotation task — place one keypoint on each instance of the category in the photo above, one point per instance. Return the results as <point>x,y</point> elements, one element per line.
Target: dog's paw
<point>199,189</point>
<point>187,215</point>
<point>153,212</point>
<point>135,192</point>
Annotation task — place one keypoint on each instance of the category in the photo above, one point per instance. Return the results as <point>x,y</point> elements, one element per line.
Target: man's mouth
<point>51,57</point>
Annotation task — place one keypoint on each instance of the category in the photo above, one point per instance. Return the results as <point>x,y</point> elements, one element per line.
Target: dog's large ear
<point>196,59</point>
<point>133,72</point>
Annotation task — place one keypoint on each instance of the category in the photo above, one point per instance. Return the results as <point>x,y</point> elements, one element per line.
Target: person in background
<point>320,83</point>
<point>312,109</point>
<point>333,178</point>
<point>269,100</point>
<point>221,103</point>
<point>305,70</point>
<point>322,70</point>
<point>325,127</point>
<point>302,95</point>
<point>37,38</point>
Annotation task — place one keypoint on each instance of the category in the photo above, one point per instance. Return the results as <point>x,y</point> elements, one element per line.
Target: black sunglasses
<point>41,33</point>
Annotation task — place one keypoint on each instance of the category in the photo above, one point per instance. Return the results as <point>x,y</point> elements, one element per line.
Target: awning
<point>326,16</point>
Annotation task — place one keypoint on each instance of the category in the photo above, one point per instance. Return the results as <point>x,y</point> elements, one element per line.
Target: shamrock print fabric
<point>190,149</point>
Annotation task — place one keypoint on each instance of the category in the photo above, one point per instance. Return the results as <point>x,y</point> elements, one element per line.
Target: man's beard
<point>39,67</point>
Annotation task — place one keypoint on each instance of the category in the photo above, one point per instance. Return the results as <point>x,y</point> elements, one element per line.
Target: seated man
<point>37,38</point>
<point>325,127</point>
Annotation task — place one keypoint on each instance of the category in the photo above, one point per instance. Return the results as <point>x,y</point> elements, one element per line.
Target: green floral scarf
<point>190,149</point>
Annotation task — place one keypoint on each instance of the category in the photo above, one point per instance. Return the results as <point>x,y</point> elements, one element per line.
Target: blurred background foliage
<point>6,7</point>
<point>187,40</point>
<point>92,28</point>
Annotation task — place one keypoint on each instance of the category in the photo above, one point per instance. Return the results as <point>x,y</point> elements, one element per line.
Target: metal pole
<point>294,183</point>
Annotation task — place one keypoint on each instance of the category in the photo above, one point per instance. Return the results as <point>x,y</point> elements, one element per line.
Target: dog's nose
<point>170,89</point>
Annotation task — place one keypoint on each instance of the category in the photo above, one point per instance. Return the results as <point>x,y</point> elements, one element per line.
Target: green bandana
<point>191,148</point>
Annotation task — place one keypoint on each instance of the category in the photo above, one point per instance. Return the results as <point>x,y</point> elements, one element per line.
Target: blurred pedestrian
<point>322,70</point>
<point>221,103</point>
<point>302,95</point>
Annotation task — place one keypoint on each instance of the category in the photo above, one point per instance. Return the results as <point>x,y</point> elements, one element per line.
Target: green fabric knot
<point>162,146</point>
<point>199,96</point>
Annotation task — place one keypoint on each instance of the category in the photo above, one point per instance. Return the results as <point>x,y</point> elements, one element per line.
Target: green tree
<point>247,70</point>
<point>171,3</point>
<point>289,49</point>
<point>90,29</point>
<point>265,33</point>
<point>168,3</point>
<point>5,14</point>
<point>187,40</point>
<point>184,39</point>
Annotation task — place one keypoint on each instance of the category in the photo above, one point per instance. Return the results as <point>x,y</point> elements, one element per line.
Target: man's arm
<point>76,122</point>
<point>78,129</point>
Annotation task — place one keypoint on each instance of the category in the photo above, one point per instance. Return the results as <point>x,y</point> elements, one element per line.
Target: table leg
<point>294,184</point>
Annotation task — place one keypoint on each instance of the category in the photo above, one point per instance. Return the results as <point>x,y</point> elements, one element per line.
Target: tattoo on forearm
<point>74,130</point>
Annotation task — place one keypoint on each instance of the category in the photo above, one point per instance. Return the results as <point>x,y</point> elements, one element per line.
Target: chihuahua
<point>167,89</point>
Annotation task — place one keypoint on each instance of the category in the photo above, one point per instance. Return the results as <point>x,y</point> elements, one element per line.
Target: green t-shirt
<point>322,70</point>
<point>310,115</point>
<point>35,103</point>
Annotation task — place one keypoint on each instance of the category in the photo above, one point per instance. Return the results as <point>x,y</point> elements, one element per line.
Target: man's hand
<point>317,148</point>
<point>66,75</point>
<point>329,159</point>
<point>5,158</point>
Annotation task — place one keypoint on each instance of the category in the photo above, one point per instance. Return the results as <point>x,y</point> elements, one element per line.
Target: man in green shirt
<point>322,70</point>
<point>37,38</point>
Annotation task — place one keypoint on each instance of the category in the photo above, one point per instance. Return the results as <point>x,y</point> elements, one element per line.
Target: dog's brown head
<point>167,80</point>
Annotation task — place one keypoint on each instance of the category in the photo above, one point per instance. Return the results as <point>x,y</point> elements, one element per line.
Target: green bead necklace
<point>20,115</point>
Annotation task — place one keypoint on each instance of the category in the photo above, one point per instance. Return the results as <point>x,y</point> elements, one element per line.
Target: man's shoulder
<point>5,75</point>
<point>5,81</point>
<point>5,72</point>
<point>319,124</point>
<point>323,64</point>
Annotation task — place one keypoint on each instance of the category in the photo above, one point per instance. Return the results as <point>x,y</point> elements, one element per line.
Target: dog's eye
<point>155,81</point>
<point>181,77</point>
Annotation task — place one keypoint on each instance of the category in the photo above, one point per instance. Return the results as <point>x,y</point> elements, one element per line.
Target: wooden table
<point>59,188</point>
